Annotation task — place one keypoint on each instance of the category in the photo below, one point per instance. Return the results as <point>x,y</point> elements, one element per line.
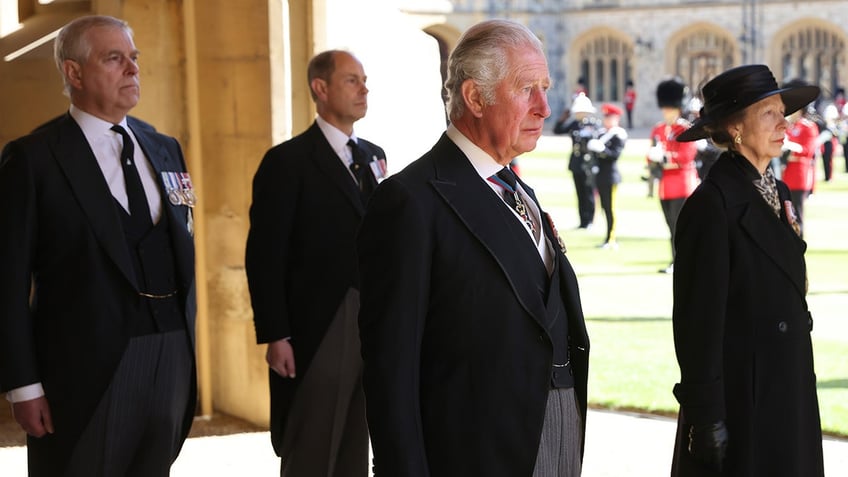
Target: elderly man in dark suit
<point>97,275</point>
<point>309,196</point>
<point>475,349</point>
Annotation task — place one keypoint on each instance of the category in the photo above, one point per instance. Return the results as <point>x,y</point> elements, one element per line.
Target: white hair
<point>482,56</point>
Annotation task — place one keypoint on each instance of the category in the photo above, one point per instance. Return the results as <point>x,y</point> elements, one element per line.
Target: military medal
<point>190,223</point>
<point>179,189</point>
<point>172,187</point>
<point>518,203</point>
<point>791,217</point>
<point>378,167</point>
<point>174,197</point>
<point>522,211</point>
<point>187,190</point>
<point>556,233</point>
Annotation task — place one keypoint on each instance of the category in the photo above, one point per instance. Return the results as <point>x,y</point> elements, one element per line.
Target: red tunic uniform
<point>680,176</point>
<point>629,99</point>
<point>799,173</point>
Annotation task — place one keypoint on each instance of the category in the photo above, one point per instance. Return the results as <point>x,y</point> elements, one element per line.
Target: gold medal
<point>188,197</point>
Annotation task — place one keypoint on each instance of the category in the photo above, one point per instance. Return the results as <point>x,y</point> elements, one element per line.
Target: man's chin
<point>130,101</point>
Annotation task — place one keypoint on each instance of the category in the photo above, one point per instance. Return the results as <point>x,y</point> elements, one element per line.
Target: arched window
<point>814,55</point>
<point>605,65</point>
<point>701,56</point>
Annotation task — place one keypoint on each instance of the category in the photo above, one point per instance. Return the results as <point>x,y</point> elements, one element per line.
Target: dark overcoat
<point>742,329</point>
<point>458,361</point>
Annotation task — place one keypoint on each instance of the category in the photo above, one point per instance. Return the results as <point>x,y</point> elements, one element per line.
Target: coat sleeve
<point>394,257</point>
<point>614,146</point>
<point>701,277</point>
<point>267,253</point>
<point>17,243</point>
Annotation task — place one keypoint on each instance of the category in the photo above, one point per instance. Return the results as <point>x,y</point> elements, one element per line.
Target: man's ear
<point>319,87</point>
<point>73,73</point>
<point>472,98</point>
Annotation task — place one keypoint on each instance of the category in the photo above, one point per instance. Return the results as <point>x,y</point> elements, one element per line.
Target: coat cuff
<point>701,403</point>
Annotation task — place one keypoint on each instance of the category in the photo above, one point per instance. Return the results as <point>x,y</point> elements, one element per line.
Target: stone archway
<point>700,52</point>
<point>605,63</point>
<point>812,50</point>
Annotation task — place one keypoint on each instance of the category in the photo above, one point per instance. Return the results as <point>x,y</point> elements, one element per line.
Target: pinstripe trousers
<point>559,449</point>
<point>136,430</point>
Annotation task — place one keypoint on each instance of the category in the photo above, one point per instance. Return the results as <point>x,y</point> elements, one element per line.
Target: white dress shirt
<point>486,166</point>
<point>106,146</point>
<point>338,141</point>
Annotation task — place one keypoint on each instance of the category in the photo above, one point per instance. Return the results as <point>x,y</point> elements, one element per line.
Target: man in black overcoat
<point>309,196</point>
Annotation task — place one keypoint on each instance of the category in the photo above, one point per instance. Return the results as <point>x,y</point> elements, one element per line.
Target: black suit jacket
<point>458,360</point>
<point>742,328</point>
<point>300,258</point>
<point>63,234</point>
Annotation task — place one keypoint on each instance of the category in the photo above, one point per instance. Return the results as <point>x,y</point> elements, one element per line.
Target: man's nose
<point>542,106</point>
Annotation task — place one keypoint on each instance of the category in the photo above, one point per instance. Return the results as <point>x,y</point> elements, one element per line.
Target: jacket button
<point>782,326</point>
<point>810,320</point>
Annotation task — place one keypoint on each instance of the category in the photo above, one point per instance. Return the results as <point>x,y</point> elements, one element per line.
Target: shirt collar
<point>336,138</point>
<point>483,163</point>
<point>93,127</point>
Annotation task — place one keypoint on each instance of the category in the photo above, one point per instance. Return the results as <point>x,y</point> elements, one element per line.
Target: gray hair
<point>72,43</point>
<point>482,56</point>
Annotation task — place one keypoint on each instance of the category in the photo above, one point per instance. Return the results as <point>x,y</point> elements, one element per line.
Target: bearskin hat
<point>670,93</point>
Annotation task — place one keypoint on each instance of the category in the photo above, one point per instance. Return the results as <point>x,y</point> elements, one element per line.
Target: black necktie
<point>139,210</point>
<point>361,168</point>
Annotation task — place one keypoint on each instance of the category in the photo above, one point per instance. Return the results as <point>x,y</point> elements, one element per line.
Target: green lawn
<point>628,304</point>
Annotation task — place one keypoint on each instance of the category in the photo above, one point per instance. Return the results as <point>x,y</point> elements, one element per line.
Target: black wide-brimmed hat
<point>740,87</point>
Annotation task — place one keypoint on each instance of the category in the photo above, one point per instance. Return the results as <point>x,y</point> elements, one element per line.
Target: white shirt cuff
<point>26,393</point>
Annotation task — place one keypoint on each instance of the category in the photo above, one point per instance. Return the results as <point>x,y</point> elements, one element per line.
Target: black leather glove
<point>708,444</point>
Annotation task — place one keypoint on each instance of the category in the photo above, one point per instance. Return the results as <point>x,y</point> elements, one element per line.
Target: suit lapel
<point>155,152</point>
<point>774,237</point>
<point>486,217</point>
<point>330,164</point>
<point>162,160</point>
<point>77,161</point>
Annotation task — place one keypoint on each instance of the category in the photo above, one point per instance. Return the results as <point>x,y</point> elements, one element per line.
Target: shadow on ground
<point>216,425</point>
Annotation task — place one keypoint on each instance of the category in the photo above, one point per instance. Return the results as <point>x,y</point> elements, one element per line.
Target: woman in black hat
<point>747,391</point>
